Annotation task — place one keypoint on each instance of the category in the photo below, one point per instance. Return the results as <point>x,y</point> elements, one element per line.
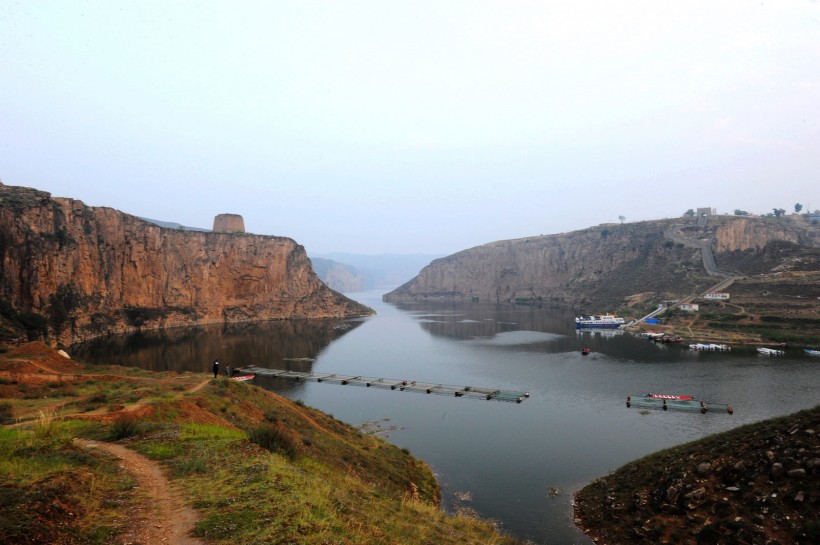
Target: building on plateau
<point>717,296</point>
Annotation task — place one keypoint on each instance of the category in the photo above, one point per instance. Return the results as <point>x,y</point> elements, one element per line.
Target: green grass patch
<point>56,493</point>
<point>225,525</point>
<point>210,431</point>
<point>163,451</point>
<point>192,463</point>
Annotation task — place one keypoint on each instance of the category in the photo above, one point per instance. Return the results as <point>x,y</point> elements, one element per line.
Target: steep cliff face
<point>754,233</point>
<point>92,271</point>
<point>337,275</point>
<point>604,266</point>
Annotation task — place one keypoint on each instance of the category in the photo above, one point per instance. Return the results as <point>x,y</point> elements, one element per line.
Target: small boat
<point>669,396</point>
<point>605,321</point>
<point>585,351</point>
<point>710,347</point>
<point>649,335</point>
<point>243,378</point>
<point>811,352</point>
<point>770,351</point>
<point>670,338</point>
<point>676,403</point>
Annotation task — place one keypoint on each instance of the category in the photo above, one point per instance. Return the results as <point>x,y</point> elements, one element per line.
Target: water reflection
<point>575,427</point>
<point>475,321</point>
<point>283,344</point>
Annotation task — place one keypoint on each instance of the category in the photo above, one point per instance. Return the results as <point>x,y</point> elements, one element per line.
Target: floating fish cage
<point>391,384</point>
<point>687,405</point>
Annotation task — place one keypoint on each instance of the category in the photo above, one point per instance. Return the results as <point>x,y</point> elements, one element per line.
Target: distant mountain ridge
<point>174,225</point>
<point>347,272</point>
<point>338,276</point>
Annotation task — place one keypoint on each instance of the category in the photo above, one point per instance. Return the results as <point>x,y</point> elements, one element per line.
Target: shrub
<point>125,426</point>
<point>163,451</point>
<point>139,316</point>
<point>46,426</point>
<point>5,413</point>
<point>190,464</point>
<point>275,440</point>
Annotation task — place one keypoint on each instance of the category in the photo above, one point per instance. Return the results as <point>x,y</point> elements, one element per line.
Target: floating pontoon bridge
<point>392,384</point>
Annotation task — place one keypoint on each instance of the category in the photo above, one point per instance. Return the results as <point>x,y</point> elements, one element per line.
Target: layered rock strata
<point>91,271</point>
<point>603,267</point>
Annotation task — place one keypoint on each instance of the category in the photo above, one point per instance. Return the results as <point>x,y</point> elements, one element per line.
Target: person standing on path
<point>216,368</point>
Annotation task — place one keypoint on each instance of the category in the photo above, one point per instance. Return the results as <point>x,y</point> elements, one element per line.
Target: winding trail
<point>161,517</point>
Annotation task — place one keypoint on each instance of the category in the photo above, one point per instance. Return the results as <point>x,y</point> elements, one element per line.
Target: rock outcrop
<point>759,483</point>
<point>754,233</point>
<point>606,266</point>
<point>91,271</point>
<point>338,276</point>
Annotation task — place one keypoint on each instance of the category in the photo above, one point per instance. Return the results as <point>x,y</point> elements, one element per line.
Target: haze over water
<point>515,463</point>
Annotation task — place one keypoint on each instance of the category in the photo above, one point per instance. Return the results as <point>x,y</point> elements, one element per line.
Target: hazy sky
<point>413,127</point>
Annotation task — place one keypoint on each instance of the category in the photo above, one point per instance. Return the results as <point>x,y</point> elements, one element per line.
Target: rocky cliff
<point>89,271</point>
<point>607,266</point>
<point>338,276</point>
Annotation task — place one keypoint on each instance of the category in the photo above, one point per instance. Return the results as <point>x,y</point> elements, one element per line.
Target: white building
<point>717,296</point>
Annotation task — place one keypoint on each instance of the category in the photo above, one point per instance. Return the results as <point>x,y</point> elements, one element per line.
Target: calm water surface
<point>520,463</point>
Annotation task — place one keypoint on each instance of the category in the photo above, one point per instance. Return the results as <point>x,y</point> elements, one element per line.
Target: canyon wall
<point>754,233</point>
<point>91,271</point>
<point>604,267</point>
<point>338,276</point>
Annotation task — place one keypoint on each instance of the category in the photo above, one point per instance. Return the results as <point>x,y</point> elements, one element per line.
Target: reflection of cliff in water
<point>276,344</point>
<point>477,321</point>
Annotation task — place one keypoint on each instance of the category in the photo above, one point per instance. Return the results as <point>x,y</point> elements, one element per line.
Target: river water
<point>518,464</point>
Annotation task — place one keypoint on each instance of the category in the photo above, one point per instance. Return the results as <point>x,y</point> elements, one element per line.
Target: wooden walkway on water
<point>392,384</point>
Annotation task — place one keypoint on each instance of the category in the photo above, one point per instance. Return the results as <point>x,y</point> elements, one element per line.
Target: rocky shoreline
<point>759,483</point>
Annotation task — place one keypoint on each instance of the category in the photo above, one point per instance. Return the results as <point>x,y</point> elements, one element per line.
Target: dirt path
<point>198,386</point>
<point>146,400</point>
<point>161,518</point>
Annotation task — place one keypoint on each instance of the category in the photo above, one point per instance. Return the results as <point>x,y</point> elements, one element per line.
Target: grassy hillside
<point>256,467</point>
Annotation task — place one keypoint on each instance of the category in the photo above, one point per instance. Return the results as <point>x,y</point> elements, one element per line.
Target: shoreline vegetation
<point>255,467</point>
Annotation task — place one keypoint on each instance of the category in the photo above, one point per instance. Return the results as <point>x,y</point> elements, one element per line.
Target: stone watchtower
<point>229,223</point>
<point>704,214</point>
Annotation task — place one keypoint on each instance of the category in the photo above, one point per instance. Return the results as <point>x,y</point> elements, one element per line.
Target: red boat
<point>585,351</point>
<point>667,396</point>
